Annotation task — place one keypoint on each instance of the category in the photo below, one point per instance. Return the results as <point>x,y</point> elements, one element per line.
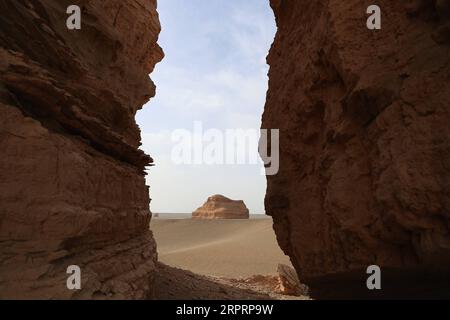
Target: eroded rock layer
<point>220,207</point>
<point>72,188</point>
<point>365,138</point>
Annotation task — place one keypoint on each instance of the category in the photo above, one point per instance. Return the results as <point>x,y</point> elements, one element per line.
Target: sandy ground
<point>223,248</point>
<point>237,260</point>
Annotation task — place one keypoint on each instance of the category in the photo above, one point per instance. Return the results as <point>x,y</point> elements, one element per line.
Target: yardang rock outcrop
<point>72,188</point>
<point>220,207</point>
<point>365,140</point>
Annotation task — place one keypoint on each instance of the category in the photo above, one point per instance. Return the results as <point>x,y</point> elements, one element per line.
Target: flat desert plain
<point>222,248</point>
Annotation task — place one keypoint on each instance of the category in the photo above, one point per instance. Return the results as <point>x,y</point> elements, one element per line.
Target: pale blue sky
<point>214,71</point>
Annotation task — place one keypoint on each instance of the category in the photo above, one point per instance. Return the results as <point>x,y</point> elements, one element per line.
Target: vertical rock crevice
<point>71,174</point>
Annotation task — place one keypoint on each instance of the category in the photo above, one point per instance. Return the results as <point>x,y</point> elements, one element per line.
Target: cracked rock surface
<point>365,139</point>
<point>72,188</point>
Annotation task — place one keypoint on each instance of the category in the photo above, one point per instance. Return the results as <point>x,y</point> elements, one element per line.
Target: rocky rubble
<point>220,207</point>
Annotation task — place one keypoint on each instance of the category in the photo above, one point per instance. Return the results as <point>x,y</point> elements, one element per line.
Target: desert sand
<point>221,248</point>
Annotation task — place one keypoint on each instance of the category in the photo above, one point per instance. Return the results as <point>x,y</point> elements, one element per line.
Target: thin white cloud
<point>214,71</point>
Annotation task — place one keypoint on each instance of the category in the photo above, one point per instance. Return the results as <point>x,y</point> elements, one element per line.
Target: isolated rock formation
<point>220,207</point>
<point>365,139</point>
<point>72,188</point>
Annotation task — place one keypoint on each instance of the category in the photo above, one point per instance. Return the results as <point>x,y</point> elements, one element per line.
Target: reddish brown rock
<point>288,282</point>
<point>72,188</point>
<point>365,139</point>
<point>220,207</point>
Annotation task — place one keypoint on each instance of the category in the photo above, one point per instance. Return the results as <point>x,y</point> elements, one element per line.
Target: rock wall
<point>365,139</point>
<point>72,189</point>
<point>220,207</point>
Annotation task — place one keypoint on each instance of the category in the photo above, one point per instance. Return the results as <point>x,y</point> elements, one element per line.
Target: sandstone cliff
<point>220,207</point>
<point>72,189</point>
<point>365,139</point>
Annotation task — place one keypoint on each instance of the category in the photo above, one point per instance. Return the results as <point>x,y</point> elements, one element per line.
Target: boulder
<point>288,282</point>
